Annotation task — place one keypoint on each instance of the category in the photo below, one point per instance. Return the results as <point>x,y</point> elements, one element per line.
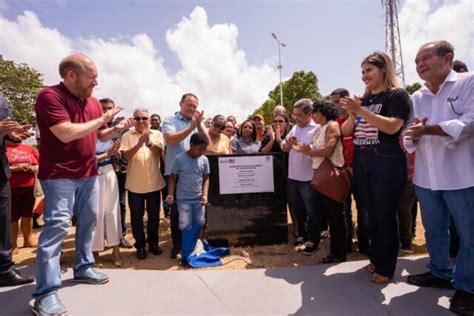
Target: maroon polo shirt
<point>76,159</point>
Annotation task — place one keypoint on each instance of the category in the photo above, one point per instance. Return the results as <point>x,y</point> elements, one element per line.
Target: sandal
<point>332,259</point>
<point>380,279</point>
<point>370,268</point>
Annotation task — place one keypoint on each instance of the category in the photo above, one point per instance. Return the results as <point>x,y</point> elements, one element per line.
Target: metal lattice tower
<point>393,45</point>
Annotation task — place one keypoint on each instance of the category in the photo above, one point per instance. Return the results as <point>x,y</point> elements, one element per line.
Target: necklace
<point>372,97</point>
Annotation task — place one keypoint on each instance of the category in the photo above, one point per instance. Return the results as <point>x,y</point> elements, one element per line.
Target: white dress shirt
<point>445,162</point>
<point>300,166</point>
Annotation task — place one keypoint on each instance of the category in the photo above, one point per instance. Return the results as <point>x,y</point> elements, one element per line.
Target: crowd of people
<point>401,149</point>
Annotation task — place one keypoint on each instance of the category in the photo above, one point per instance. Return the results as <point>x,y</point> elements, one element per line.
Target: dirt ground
<point>240,258</point>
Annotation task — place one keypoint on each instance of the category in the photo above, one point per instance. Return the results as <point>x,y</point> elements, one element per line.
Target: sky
<point>149,53</point>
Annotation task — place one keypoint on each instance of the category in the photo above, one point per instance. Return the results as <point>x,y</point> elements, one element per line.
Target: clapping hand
<point>110,114</point>
<point>351,105</point>
<point>416,129</point>
<point>14,129</point>
<point>197,117</point>
<point>124,125</point>
<point>144,138</point>
<point>114,149</point>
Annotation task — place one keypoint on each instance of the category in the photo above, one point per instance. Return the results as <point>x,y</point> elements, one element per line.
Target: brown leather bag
<point>333,182</point>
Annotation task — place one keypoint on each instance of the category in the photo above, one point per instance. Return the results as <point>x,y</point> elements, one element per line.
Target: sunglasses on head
<point>142,118</point>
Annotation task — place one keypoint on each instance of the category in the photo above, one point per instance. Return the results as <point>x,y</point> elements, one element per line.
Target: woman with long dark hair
<point>327,144</point>
<point>379,163</point>
<point>246,142</point>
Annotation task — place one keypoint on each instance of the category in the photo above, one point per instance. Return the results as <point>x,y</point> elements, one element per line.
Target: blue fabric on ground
<point>206,257</point>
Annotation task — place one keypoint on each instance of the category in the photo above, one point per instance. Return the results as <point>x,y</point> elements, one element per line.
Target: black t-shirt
<point>393,103</point>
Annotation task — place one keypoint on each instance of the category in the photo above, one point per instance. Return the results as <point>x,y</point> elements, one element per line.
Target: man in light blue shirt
<point>177,131</point>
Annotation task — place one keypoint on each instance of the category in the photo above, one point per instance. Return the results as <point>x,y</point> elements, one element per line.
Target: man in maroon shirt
<point>70,120</point>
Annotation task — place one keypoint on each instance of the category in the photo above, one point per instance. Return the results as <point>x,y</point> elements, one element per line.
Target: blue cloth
<point>436,208</point>
<point>173,124</point>
<point>102,147</point>
<point>62,198</point>
<point>191,220</point>
<point>210,257</point>
<point>190,173</point>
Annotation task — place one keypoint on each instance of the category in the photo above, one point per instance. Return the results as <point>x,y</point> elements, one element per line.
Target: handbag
<point>333,182</point>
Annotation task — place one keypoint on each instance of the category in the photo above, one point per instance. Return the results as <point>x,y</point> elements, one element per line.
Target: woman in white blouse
<point>327,144</point>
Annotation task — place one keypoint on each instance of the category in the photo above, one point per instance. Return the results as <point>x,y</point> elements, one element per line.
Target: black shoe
<point>175,252</point>
<point>141,253</point>
<point>429,280</point>
<point>462,303</point>
<point>125,244</point>
<point>349,246</point>
<point>299,241</point>
<point>155,250</point>
<point>35,221</point>
<point>310,249</point>
<point>12,278</point>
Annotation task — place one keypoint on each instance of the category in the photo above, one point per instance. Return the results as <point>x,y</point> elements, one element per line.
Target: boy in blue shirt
<point>190,179</point>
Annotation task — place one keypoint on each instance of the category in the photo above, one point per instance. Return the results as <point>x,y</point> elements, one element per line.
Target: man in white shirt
<point>442,134</point>
<point>300,173</point>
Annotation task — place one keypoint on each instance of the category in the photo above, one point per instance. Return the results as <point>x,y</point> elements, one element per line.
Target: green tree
<point>411,88</point>
<point>20,84</point>
<point>300,85</point>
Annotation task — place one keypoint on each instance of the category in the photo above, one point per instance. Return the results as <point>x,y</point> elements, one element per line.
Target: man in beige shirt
<point>142,148</point>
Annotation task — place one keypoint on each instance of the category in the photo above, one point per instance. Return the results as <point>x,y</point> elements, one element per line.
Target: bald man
<point>70,121</point>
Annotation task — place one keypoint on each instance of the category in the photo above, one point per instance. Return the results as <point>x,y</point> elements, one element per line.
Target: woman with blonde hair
<point>379,163</point>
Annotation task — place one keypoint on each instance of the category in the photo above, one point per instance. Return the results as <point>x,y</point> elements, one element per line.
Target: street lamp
<point>279,65</point>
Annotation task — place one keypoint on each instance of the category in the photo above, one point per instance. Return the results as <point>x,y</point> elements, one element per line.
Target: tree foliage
<point>300,85</point>
<point>411,88</point>
<point>20,84</point>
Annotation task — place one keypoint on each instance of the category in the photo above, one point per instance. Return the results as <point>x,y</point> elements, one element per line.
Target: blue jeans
<point>380,174</point>
<point>308,216</point>
<point>191,221</point>
<point>191,213</point>
<point>436,208</point>
<point>62,198</point>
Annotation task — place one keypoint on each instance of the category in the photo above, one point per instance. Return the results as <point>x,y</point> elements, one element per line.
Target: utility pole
<point>393,45</point>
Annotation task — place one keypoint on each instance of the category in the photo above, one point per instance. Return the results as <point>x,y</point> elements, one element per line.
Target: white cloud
<point>132,72</point>
<point>422,21</point>
<point>27,40</point>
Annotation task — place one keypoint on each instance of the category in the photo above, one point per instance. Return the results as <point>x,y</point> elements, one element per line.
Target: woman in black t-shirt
<point>379,165</point>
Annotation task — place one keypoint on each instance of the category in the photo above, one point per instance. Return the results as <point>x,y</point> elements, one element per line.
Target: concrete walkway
<point>342,289</point>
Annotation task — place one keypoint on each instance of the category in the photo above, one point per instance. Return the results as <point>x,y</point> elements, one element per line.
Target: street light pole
<point>280,44</point>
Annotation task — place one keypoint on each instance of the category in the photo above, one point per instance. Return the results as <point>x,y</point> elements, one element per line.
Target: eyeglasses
<point>138,118</point>
<point>278,121</point>
<point>221,127</point>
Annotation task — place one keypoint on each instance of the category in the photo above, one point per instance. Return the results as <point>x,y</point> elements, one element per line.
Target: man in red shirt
<point>70,120</point>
